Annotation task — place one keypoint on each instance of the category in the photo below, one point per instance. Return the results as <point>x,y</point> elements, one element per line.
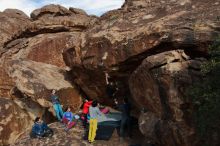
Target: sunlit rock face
<point>153,49</point>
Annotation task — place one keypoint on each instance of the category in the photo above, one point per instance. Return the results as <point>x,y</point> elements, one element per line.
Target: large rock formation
<point>13,120</point>
<point>165,76</point>
<point>31,60</point>
<point>155,48</point>
<point>123,38</point>
<point>152,49</point>
<point>11,27</point>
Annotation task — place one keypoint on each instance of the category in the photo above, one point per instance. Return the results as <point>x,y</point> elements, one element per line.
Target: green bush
<point>206,98</point>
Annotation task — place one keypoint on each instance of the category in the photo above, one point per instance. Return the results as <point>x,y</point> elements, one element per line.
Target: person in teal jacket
<point>56,105</point>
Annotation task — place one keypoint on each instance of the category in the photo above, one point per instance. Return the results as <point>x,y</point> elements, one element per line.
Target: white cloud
<point>96,7</point>
<point>24,5</point>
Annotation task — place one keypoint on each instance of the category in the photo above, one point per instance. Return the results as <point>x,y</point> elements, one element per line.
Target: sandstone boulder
<point>154,47</point>
<point>12,23</point>
<point>55,18</point>
<point>32,64</point>
<point>117,33</point>
<point>46,49</point>
<point>13,121</point>
<point>35,66</point>
<point>158,84</point>
<point>54,10</point>
<point>162,132</point>
<point>123,38</point>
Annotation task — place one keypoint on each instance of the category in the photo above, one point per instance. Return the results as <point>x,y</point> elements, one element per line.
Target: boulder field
<point>152,49</point>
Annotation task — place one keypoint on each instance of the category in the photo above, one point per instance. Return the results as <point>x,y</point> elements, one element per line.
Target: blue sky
<point>96,7</point>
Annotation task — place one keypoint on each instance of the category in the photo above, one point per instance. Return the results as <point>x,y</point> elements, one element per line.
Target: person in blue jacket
<point>40,129</point>
<point>56,105</point>
<point>68,118</point>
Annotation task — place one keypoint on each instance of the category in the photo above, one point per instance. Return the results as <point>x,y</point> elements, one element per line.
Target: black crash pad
<point>106,128</point>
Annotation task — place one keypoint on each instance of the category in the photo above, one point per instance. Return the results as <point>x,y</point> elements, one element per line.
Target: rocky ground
<point>74,137</point>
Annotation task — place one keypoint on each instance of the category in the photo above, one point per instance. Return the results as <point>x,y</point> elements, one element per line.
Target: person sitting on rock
<point>40,129</point>
<point>68,119</point>
<point>56,105</point>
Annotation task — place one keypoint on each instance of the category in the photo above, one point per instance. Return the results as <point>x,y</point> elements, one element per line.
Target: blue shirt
<point>68,115</point>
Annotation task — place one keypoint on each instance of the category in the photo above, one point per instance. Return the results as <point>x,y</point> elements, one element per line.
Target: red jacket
<point>86,107</point>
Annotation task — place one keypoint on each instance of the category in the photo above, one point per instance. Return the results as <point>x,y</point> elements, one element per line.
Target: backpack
<point>48,132</point>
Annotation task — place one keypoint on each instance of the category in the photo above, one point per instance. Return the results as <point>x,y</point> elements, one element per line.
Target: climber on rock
<point>68,117</point>
<point>40,129</point>
<point>56,105</point>
<point>111,88</point>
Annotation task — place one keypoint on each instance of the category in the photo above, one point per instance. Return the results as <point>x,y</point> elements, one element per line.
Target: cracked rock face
<point>123,38</point>
<point>11,27</point>
<point>158,84</point>
<point>152,48</point>
<point>13,120</point>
